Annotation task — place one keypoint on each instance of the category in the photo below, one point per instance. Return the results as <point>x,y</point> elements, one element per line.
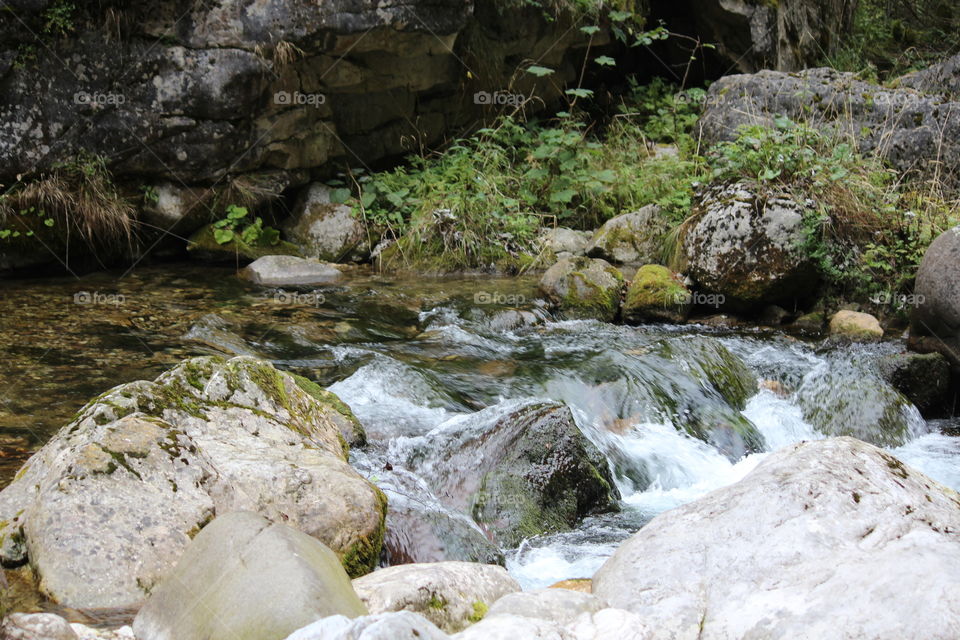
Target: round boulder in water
<point>631,238</point>
<point>584,288</point>
<point>853,325</point>
<point>745,241</point>
<point>290,271</point>
<point>656,293</point>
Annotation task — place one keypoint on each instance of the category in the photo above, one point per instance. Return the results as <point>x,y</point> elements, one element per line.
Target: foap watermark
<point>297,299</point>
<point>698,299</point>
<point>97,297</point>
<point>296,98</point>
<point>98,99</point>
<point>699,97</point>
<point>498,98</point>
<point>495,297</point>
<point>898,300</point>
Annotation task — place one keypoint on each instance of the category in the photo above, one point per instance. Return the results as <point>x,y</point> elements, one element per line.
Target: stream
<point>413,357</point>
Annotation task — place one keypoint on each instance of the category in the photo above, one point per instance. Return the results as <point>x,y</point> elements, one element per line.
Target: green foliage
<point>237,226</point>
<point>867,231</point>
<point>891,38</point>
<point>58,19</point>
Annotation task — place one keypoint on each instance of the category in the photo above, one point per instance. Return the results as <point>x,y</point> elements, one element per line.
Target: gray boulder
<point>519,468</point>
<point>398,625</point>
<point>745,242</point>
<point>451,595</point>
<point>924,379</point>
<point>843,540</point>
<point>287,271</point>
<point>584,288</point>
<point>942,78</point>
<point>915,132</point>
<point>559,605</point>
<point>631,238</point>
<point>104,510</point>
<point>935,323</point>
<point>36,626</point>
<point>325,230</point>
<point>245,578</point>
<point>561,242</point>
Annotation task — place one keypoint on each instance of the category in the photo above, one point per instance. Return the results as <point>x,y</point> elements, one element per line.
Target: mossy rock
<point>584,288</point>
<point>656,293</point>
<point>204,245</point>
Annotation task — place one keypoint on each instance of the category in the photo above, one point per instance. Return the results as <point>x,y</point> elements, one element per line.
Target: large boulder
<point>104,510</point>
<point>832,538</point>
<point>924,379</point>
<point>914,132</point>
<point>559,605</point>
<point>245,578</point>
<point>745,242</point>
<point>631,238</point>
<point>519,468</point>
<point>561,242</point>
<point>942,78</point>
<point>935,323</point>
<point>326,230</point>
<point>656,293</point>
<point>452,595</point>
<point>584,288</point>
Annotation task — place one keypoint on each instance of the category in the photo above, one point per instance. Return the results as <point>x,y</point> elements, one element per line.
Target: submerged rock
<point>745,242</point>
<point>520,469</point>
<point>832,538</point>
<point>923,378</point>
<point>451,595</point>
<point>860,327</point>
<point>283,271</point>
<point>631,238</point>
<point>104,510</point>
<point>656,293</point>
<point>326,230</point>
<point>245,578</point>
<point>584,288</point>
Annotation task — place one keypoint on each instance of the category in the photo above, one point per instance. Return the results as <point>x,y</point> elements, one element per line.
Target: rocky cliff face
<point>192,92</point>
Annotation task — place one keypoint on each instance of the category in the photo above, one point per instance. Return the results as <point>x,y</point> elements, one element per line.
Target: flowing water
<point>419,359</point>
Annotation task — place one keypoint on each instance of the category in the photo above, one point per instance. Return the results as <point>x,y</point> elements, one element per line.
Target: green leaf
<point>605,61</point>
<point>49,222</point>
<point>563,196</point>
<point>590,29</point>
<point>339,196</point>
<point>580,93</point>
<point>367,199</point>
<point>619,16</point>
<point>222,236</point>
<point>270,236</point>
<point>539,71</point>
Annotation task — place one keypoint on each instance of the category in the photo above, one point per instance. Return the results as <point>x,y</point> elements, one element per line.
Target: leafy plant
<point>237,227</point>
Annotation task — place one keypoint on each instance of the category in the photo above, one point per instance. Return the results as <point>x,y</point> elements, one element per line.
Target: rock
<point>325,230</point>
<point>285,271</point>
<point>384,626</point>
<point>583,585</point>
<point>631,238</point>
<point>611,623</point>
<point>451,595</point>
<point>851,399</point>
<point>512,627</point>
<point>935,322</point>
<point>843,540</point>
<point>36,626</point>
<point>773,316</point>
<point>787,35</point>
<point>177,208</point>
<point>745,242</point>
<point>558,605</point>
<point>942,78</point>
<point>910,130</point>
<point>512,319</point>
<point>519,468</point>
<point>860,327</point>
<point>923,379</point>
<point>584,288</point>
<point>245,578</point>
<point>203,245</point>
<point>104,510</point>
<point>561,240</point>
<point>812,322</point>
<point>89,633</point>
<point>656,293</point>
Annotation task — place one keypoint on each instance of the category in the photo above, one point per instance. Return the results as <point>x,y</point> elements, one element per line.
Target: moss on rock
<point>656,293</point>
